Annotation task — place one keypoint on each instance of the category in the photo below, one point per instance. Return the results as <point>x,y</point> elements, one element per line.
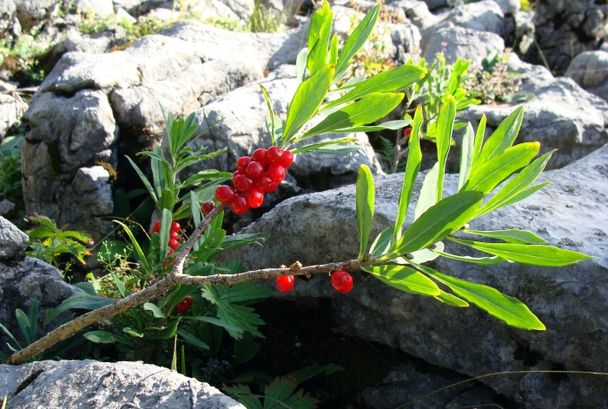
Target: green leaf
<point>244,396</point>
<point>447,216</point>
<point>443,139</point>
<point>357,39</point>
<point>365,198</point>
<point>281,393</point>
<point>484,261</point>
<point>509,235</point>
<point>271,114</point>
<point>382,243</point>
<point>144,180</point>
<point>330,146</point>
<point>532,254</point>
<point>506,308</point>
<point>80,301</point>
<point>133,332</point>
<point>306,101</point>
<point>414,158</point>
<point>301,64</point>
<point>391,125</point>
<point>428,192</point>
<point>120,286</point>
<point>479,138</point>
<point>426,255</point>
<point>318,41</point>
<point>165,231</point>
<point>215,321</point>
<point>192,339</point>
<point>503,137</point>
<point>24,325</point>
<point>153,308</point>
<point>466,156</point>
<point>101,337</point>
<point>451,300</point>
<point>11,336</point>
<point>519,184</point>
<point>364,111</point>
<point>405,279</point>
<point>141,257</point>
<point>386,81</point>
<point>487,176</point>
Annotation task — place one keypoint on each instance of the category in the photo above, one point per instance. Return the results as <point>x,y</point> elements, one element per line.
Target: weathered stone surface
<point>558,113</point>
<point>572,213</point>
<point>96,8</point>
<point>484,15</point>
<point>590,70</point>
<point>566,28</point>
<point>12,108</point>
<point>102,385</point>
<point>26,280</point>
<point>13,241</point>
<point>455,41</point>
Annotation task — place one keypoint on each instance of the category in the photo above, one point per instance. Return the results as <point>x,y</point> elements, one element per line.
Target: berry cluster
<point>341,281</point>
<point>173,235</point>
<point>256,175</point>
<point>184,305</point>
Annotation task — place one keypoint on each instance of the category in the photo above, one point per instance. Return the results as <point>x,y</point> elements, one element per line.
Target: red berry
<point>155,227</point>
<point>264,184</point>
<point>175,226</point>
<point>255,198</point>
<point>286,159</point>
<point>241,164</point>
<point>225,194</point>
<point>285,284</point>
<point>239,205</point>
<point>276,173</point>
<point>173,243</point>
<point>184,305</point>
<point>259,155</point>
<point>174,235</point>
<point>407,131</point>
<point>254,169</point>
<point>207,207</point>
<point>274,154</point>
<point>242,183</point>
<point>342,281</point>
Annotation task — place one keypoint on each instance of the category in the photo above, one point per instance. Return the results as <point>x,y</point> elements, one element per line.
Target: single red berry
<point>174,243</point>
<point>286,159</point>
<point>276,173</point>
<point>407,131</point>
<point>285,284</point>
<point>155,228</point>
<point>207,207</point>
<point>254,169</point>
<point>274,154</point>
<point>184,305</point>
<point>174,235</point>
<point>342,281</point>
<point>239,205</point>
<point>225,194</point>
<point>264,184</point>
<point>241,164</point>
<point>259,155</point>
<point>175,226</point>
<point>255,198</point>
<point>242,183</point>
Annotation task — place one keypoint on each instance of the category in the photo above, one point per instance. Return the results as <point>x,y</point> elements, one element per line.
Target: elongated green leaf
<point>101,337</point>
<point>503,137</point>
<point>405,279</point>
<point>510,236</point>
<point>414,158</point>
<point>382,243</point>
<point>133,332</point>
<point>487,176</point>
<point>120,286</point>
<point>333,50</point>
<point>365,198</point>
<point>301,60</point>
<point>386,81</point>
<point>447,216</point>
<point>451,300</point>
<point>192,339</point>
<point>479,138</point>
<point>165,231</point>
<point>392,125</point>
<point>466,155</point>
<point>443,139</point>
<point>484,261</point>
<point>333,144</point>
<point>356,39</point>
<point>306,100</point>
<point>532,254</point>
<point>428,192</point>
<point>423,256</point>
<point>271,114</point>
<point>144,180</point>
<point>504,307</point>
<point>23,322</point>
<point>214,321</point>
<point>317,20</point>
<point>153,308</point>
<point>9,334</point>
<point>366,110</point>
<point>321,22</point>
<point>141,257</point>
<point>522,194</point>
<point>517,184</point>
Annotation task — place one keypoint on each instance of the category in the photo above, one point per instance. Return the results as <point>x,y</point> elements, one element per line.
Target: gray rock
<point>559,114</point>
<point>417,12</point>
<point>572,213</point>
<point>6,206</point>
<point>454,42</point>
<point>509,6</point>
<point>96,385</point>
<point>590,70</point>
<point>31,12</point>
<point>13,241</point>
<point>96,8</point>
<point>26,280</point>
<point>484,15</point>
<point>12,108</point>
<point>234,10</point>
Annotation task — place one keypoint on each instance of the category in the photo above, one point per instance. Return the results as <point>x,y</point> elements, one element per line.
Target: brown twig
<point>175,277</point>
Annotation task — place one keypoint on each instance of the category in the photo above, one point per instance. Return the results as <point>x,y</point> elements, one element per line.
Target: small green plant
<point>493,82</point>
<point>21,57</point>
<point>57,246</point>
<point>265,20</point>
<point>10,169</point>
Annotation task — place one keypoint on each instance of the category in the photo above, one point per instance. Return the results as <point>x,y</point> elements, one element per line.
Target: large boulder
<point>483,15</point>
<point>558,113</point>
<point>590,70</point>
<point>572,301</point>
<point>13,242</point>
<point>104,385</point>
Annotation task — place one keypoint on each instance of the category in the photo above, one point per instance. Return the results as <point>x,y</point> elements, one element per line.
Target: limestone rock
<point>13,242</point>
<point>103,385</point>
<point>484,15</point>
<point>12,108</point>
<point>590,70</point>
